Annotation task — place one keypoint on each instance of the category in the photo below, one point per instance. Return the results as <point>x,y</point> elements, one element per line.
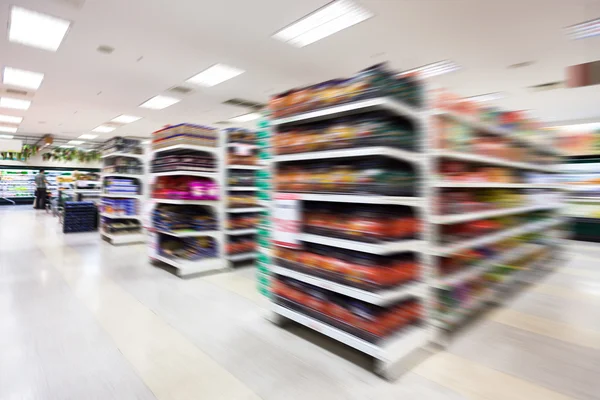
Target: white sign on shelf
<point>287,220</point>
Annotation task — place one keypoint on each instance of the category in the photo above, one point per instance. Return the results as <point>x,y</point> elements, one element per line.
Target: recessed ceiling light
<point>76,142</point>
<point>434,69</point>
<point>214,75</point>
<point>66,146</point>
<point>88,136</point>
<point>584,30</point>
<point>6,136</point>
<point>10,119</point>
<point>35,29</point>
<point>245,117</point>
<point>160,102</point>
<point>325,21</point>
<point>17,104</point>
<point>487,97</point>
<point>103,129</point>
<point>22,78</point>
<point>125,119</point>
<point>9,129</point>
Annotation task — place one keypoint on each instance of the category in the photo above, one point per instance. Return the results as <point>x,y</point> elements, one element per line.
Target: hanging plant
<point>47,156</point>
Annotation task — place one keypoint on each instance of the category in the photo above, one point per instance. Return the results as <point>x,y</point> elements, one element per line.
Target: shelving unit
<point>525,216</point>
<point>240,182</point>
<point>171,151</point>
<point>123,162</point>
<point>582,175</point>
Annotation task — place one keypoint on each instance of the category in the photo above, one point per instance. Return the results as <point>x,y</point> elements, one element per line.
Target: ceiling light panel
<point>17,104</point>
<point>325,21</point>
<point>35,29</point>
<point>434,69</point>
<point>245,117</point>
<point>125,119</point>
<point>103,129</point>
<point>22,78</point>
<point>6,136</point>
<point>88,136</point>
<point>66,146</point>
<point>76,142</point>
<point>214,75</point>
<point>10,119</point>
<point>160,102</point>
<point>584,30</point>
<point>9,129</point>
<point>487,97</point>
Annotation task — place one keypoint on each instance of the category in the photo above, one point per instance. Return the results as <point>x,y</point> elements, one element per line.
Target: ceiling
<point>161,43</point>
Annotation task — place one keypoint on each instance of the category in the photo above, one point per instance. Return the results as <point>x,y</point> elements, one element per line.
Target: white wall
<point>37,161</point>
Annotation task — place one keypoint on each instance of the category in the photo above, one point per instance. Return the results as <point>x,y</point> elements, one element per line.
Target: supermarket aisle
<point>82,319</point>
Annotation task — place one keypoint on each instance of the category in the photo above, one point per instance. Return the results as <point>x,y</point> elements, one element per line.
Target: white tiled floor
<point>80,319</point>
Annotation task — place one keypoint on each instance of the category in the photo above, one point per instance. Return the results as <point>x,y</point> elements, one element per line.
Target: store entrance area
<point>81,319</point>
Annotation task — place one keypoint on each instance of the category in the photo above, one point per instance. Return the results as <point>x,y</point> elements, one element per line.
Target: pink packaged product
<point>185,188</point>
<point>203,190</point>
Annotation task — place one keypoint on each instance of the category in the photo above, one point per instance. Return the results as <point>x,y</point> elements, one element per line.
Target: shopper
<point>40,192</point>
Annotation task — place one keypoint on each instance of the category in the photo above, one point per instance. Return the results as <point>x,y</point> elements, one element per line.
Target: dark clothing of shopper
<point>40,191</point>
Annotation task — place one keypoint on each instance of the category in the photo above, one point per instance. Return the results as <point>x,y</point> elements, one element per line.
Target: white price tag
<point>286,221</point>
<point>242,149</point>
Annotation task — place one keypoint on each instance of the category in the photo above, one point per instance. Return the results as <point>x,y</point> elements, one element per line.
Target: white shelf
<point>94,192</point>
<point>248,145</point>
<point>450,184</point>
<point>122,196</point>
<point>238,232</point>
<point>393,348</point>
<point>119,175</point>
<point>204,174</point>
<point>124,238</point>
<point>359,199</point>
<point>380,248</point>
<point>584,200</point>
<point>213,203</point>
<point>121,154</point>
<point>242,188</point>
<point>355,107</point>
<point>113,216</point>
<point>380,298</point>
<point>190,233</point>
<point>245,209</point>
<point>186,147</point>
<point>242,256</point>
<point>398,154</point>
<point>455,219</point>
<point>471,157</point>
<point>248,167</point>
<point>484,240</point>
<point>186,267</point>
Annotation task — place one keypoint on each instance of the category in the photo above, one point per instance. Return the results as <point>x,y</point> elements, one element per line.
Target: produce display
<point>188,134</point>
<point>361,223</point>
<point>237,200</point>
<point>189,249</point>
<point>120,207</point>
<point>373,129</point>
<point>369,175</point>
<point>348,267</point>
<point>116,185</point>
<point>122,145</point>
<point>241,244</point>
<point>367,321</point>
<point>123,165</point>
<point>375,81</point>
<point>183,160</point>
<point>241,178</point>
<point>17,183</point>
<point>168,218</point>
<point>80,216</point>
<point>121,226</point>
<point>185,188</point>
<point>242,221</point>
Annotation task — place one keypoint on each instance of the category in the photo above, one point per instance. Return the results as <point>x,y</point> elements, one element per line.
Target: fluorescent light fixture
<point>584,30</point>
<point>325,21</point>
<point>66,146</point>
<point>434,69</point>
<point>592,126</point>
<point>10,119</point>
<point>35,29</point>
<point>9,129</point>
<point>6,136</point>
<point>88,136</point>
<point>160,102</point>
<point>22,78</point>
<point>487,97</point>
<point>76,142</point>
<point>214,75</point>
<point>103,129</point>
<point>245,117</point>
<point>17,104</point>
<point>125,119</point>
